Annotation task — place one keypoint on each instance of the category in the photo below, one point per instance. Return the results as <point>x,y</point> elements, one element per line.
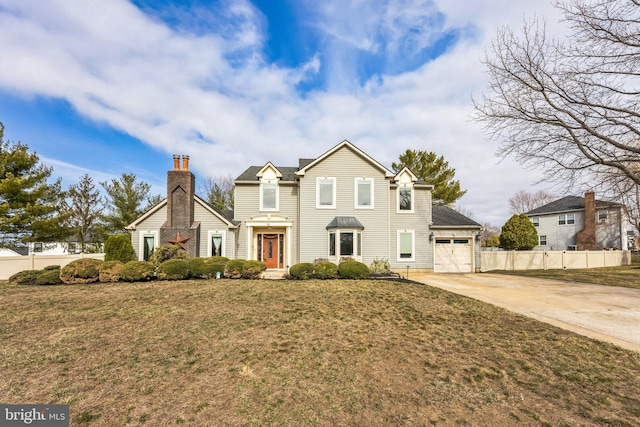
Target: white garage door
<point>453,256</point>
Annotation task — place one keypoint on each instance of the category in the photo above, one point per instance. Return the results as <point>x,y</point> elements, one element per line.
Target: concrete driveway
<point>606,313</point>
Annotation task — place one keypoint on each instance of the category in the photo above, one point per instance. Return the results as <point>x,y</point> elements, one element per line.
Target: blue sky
<point>109,87</point>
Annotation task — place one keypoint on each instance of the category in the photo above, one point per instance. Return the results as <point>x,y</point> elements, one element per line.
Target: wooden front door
<point>270,250</point>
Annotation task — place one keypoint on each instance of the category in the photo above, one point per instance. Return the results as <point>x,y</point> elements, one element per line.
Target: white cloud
<point>214,96</point>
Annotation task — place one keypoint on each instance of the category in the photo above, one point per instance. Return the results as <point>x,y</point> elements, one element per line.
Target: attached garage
<point>455,240</point>
<point>453,256</point>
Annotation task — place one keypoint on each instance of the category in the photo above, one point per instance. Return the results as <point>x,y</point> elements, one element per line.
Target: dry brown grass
<point>302,353</point>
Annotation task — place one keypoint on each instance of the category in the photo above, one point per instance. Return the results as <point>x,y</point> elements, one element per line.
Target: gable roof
<point>250,174</point>
<point>344,143</point>
<point>568,204</point>
<point>444,216</point>
<point>225,216</point>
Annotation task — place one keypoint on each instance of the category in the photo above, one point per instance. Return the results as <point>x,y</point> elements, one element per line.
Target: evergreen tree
<point>434,170</point>
<point>85,211</point>
<point>218,191</point>
<point>518,234</point>
<point>126,196</point>
<point>31,209</point>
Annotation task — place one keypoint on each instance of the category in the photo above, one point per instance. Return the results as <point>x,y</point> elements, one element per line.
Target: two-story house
<point>580,223</point>
<point>342,204</point>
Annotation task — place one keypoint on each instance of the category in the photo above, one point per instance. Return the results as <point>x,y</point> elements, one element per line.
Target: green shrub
<point>49,277</point>
<point>138,271</point>
<point>173,269</point>
<point>380,267</point>
<point>206,268</point>
<point>51,267</point>
<point>353,270</point>
<point>301,271</point>
<point>233,268</point>
<point>217,259</point>
<point>325,270</point>
<point>252,269</point>
<point>110,271</point>
<point>118,247</point>
<point>27,277</point>
<point>85,270</point>
<point>518,234</point>
<point>167,252</point>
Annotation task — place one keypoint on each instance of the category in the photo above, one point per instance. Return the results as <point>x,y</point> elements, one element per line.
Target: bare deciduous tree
<point>218,191</point>
<point>570,109</point>
<point>523,201</point>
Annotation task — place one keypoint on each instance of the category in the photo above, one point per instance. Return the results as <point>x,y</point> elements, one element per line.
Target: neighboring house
<point>341,205</point>
<point>580,223</point>
<point>61,248</point>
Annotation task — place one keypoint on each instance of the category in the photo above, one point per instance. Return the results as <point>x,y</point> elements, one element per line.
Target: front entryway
<point>271,249</point>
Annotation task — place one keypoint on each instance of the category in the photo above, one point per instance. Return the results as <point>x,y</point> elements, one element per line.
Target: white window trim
<point>356,189</point>
<point>410,186</point>
<point>536,221</point>
<point>277,208</point>
<point>156,241</point>
<point>327,178</point>
<point>357,243</point>
<point>223,245</point>
<point>413,246</point>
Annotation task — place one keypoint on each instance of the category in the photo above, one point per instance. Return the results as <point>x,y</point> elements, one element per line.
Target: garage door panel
<point>452,256</point>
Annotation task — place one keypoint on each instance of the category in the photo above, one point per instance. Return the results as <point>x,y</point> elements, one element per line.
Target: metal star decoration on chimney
<point>179,240</point>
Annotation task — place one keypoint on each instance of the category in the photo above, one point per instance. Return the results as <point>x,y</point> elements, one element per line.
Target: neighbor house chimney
<point>586,238</point>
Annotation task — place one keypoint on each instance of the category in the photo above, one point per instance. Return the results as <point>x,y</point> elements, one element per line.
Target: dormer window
<point>405,194</point>
<point>269,176</point>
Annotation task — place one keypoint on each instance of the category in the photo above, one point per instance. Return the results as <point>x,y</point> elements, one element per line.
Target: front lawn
<point>238,352</point>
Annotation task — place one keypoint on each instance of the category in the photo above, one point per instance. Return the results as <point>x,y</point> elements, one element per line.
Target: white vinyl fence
<point>552,260</point>
<point>10,265</point>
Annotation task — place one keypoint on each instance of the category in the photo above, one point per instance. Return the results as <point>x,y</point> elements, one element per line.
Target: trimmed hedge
<point>49,277</point>
<point>26,277</point>
<point>118,247</point>
<point>301,271</point>
<point>167,252</point>
<point>110,271</point>
<point>173,269</point>
<point>233,268</point>
<point>325,270</point>
<point>252,269</point>
<point>206,268</point>
<point>353,270</point>
<point>138,271</point>
<point>80,271</point>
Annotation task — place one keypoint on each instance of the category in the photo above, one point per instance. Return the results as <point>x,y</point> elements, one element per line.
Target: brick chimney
<point>180,227</point>
<point>586,238</point>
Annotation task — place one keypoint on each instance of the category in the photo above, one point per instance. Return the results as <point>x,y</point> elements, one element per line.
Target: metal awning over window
<point>348,222</point>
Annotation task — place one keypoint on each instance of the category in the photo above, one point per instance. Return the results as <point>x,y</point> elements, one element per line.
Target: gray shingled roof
<point>446,216</point>
<point>345,222</point>
<point>567,204</point>
<point>288,173</point>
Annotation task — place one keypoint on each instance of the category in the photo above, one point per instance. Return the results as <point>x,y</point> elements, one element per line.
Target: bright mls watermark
<point>34,415</point>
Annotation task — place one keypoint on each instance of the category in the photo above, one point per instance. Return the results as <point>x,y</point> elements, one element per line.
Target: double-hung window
<point>325,193</point>
<point>542,240</point>
<point>269,195</point>
<point>405,198</point>
<point>566,219</point>
<point>406,245</point>
<point>536,221</point>
<point>364,193</point>
<point>216,243</point>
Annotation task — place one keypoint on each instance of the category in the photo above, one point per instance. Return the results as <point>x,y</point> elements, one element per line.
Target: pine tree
<point>85,210</point>
<point>434,170</point>
<point>126,197</point>
<point>30,207</point>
